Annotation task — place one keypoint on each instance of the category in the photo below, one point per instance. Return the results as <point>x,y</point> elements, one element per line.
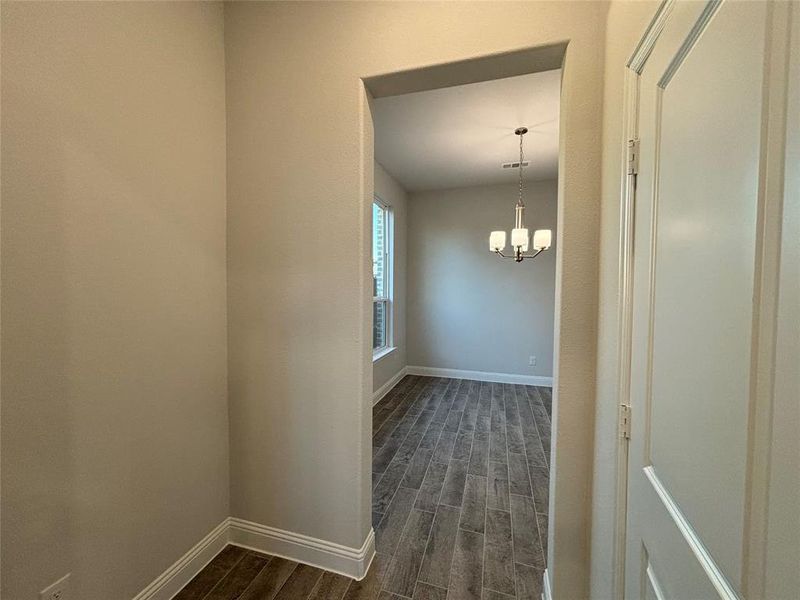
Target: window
<point>382,229</point>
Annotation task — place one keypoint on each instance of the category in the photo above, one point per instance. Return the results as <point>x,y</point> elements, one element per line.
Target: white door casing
<point>704,227</point>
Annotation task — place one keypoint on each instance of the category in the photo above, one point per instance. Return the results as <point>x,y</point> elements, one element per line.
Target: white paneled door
<point>703,280</point>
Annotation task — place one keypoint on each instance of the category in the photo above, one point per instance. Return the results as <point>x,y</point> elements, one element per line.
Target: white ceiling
<point>459,136</point>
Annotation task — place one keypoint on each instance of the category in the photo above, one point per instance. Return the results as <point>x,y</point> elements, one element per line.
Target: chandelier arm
<point>519,257</point>
<point>534,255</point>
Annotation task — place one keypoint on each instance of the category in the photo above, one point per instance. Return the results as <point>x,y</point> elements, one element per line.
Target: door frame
<point>630,131</point>
<point>767,265</point>
<point>571,457</point>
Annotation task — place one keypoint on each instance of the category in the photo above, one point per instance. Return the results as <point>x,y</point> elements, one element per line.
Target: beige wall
<point>299,188</point>
<point>781,574</point>
<point>393,194</point>
<point>114,429</point>
<point>467,308</point>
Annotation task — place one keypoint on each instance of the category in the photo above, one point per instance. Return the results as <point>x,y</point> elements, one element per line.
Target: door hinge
<point>625,421</point>
<point>633,157</point>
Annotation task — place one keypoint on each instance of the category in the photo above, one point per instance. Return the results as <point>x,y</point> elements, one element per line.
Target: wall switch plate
<point>532,361</point>
<point>56,591</point>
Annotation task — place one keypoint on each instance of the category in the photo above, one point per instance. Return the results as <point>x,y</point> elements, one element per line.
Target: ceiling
<point>460,136</point>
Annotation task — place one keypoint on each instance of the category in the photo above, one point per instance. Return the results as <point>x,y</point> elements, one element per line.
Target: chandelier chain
<point>520,238</point>
<point>521,158</point>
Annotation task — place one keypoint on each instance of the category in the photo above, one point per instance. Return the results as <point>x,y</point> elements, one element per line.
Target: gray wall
<point>114,417</point>
<point>467,308</point>
<point>391,193</point>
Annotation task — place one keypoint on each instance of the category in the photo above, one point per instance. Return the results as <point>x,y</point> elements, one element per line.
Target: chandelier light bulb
<point>542,239</point>
<point>519,239</point>
<point>497,241</point>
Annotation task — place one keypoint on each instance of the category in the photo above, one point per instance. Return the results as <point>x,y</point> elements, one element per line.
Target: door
<point>700,280</point>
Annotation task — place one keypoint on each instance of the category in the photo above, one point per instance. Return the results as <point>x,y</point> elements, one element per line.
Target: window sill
<point>382,353</point>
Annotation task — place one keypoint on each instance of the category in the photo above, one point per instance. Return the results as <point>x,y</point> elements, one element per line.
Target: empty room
<point>387,300</point>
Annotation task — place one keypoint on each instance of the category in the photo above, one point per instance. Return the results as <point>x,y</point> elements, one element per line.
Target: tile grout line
<point>424,387</point>
<point>383,516</point>
<point>530,481</point>
<point>395,454</point>
<point>460,509</point>
<point>419,383</point>
<point>427,541</point>
<point>538,426</point>
<point>317,584</point>
<point>402,531</point>
<point>375,483</point>
<point>428,468</point>
<point>204,596</point>
<point>533,494</point>
<point>418,388</point>
<point>486,507</point>
<point>549,418</point>
<point>268,563</point>
<point>527,473</point>
<point>535,511</point>
<point>388,400</point>
<point>547,460</point>
<point>405,524</point>
<point>430,533</point>
<point>510,514</point>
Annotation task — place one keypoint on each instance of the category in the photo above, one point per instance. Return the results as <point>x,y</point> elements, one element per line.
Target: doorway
<point>462,338</point>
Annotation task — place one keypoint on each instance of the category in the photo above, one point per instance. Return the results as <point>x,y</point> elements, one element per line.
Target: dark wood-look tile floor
<point>459,504</point>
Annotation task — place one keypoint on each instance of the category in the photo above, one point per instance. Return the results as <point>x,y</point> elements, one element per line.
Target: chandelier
<point>542,238</point>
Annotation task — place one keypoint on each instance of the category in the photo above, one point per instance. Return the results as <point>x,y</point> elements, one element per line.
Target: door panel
<point>706,203</point>
<point>700,114</point>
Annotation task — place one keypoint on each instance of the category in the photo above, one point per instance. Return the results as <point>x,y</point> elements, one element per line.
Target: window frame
<point>388,279</point>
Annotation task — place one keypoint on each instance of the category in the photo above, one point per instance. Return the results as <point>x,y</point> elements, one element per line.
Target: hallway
<point>291,293</point>
<point>460,486</point>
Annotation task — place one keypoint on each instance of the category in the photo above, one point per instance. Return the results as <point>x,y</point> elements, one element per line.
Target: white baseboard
<point>378,394</point>
<point>482,376</point>
<point>351,562</point>
<point>547,593</point>
<point>171,581</point>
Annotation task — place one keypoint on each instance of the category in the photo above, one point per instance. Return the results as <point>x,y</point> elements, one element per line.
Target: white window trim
<point>388,298</point>
<point>380,353</point>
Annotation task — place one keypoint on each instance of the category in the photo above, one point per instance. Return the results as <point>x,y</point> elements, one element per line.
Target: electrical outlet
<point>532,361</point>
<point>56,591</point>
